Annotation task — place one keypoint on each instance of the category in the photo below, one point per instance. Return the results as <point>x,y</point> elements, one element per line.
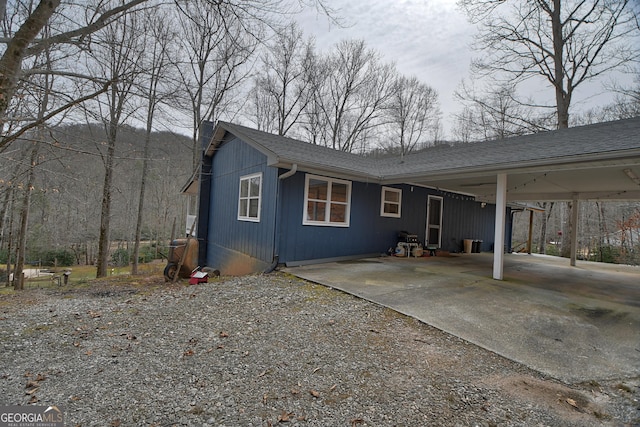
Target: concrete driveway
<point>572,323</point>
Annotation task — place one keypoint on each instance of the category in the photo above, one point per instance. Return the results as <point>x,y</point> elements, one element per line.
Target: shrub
<point>58,257</point>
<point>4,257</point>
<point>609,254</point>
<point>146,254</point>
<point>120,257</point>
<point>552,249</point>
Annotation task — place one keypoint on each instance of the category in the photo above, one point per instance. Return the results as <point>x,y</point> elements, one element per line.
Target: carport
<point>575,324</point>
<point>595,162</point>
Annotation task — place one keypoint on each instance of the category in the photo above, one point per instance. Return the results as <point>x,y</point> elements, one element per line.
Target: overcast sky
<point>427,38</point>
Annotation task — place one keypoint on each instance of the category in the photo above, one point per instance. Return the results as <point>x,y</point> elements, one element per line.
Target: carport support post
<point>501,212</point>
<point>575,210</point>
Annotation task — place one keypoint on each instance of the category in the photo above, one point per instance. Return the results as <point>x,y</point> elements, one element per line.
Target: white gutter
<point>294,169</point>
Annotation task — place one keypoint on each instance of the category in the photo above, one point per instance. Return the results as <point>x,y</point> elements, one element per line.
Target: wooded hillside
<point>67,191</point>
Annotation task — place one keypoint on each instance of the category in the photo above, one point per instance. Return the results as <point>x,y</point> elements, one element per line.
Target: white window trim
<point>242,217</point>
<point>326,222</point>
<point>382,202</point>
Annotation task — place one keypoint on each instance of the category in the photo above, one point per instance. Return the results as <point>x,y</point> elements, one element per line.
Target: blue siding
<point>463,218</point>
<point>240,247</point>
<point>236,247</point>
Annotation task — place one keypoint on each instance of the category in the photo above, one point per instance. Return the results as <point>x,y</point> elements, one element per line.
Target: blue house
<point>266,200</point>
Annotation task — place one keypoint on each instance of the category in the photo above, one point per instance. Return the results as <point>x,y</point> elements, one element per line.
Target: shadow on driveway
<point>572,323</point>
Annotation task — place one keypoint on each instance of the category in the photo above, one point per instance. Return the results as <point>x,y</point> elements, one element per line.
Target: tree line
<point>167,66</point>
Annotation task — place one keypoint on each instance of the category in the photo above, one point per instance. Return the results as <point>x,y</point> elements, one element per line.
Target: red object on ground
<point>198,277</point>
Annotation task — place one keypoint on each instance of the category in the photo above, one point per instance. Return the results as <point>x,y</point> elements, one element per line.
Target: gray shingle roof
<point>597,141</point>
<point>284,150</point>
<point>607,140</point>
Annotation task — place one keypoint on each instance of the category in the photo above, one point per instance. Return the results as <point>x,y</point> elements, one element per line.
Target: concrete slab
<point>572,323</point>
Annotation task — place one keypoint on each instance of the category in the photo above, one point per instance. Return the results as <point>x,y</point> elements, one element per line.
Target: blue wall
<point>237,247</point>
<point>240,247</point>
<point>370,233</point>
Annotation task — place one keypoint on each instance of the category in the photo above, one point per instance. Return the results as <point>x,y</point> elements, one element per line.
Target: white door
<point>434,221</point>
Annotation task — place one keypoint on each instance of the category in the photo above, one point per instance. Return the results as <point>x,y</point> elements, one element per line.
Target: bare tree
<point>22,42</point>
<point>156,58</point>
<point>496,113</point>
<point>281,90</point>
<point>413,114</point>
<point>568,43</point>
<point>218,39</point>
<point>353,95</point>
<point>116,55</point>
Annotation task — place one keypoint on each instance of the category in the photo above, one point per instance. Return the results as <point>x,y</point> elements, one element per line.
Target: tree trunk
<point>542,244</point>
<point>12,190</point>
<point>18,277</point>
<point>11,61</point>
<point>143,184</point>
<point>105,211</point>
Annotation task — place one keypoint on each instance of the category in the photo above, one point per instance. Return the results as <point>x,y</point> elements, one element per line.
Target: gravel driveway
<point>267,350</point>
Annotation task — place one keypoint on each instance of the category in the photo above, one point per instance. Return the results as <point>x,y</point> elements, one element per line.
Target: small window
<point>327,201</point>
<point>250,196</point>
<point>391,201</point>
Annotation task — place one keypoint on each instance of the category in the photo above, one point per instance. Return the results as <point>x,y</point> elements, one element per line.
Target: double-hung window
<point>250,197</point>
<point>327,201</point>
<point>390,202</point>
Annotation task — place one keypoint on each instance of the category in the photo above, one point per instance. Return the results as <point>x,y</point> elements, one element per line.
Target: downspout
<point>291,172</point>
<point>276,228</point>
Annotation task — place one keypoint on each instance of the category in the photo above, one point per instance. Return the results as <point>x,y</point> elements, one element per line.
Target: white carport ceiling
<point>600,161</point>
<point>590,182</point>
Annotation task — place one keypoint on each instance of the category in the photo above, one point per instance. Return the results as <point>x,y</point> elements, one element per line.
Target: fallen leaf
<point>285,417</point>
<point>314,393</point>
<point>188,353</point>
<point>223,334</point>
<point>33,390</point>
<point>33,399</point>
<point>295,391</point>
<point>40,377</point>
<point>573,403</point>
<point>31,384</point>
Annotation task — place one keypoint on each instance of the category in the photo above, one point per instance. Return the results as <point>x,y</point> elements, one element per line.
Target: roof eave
<point>618,158</point>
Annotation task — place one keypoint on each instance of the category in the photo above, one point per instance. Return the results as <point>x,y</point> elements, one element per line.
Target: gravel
<point>266,350</point>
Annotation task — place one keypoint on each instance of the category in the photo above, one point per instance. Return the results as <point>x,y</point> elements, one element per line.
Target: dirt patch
<point>569,404</point>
